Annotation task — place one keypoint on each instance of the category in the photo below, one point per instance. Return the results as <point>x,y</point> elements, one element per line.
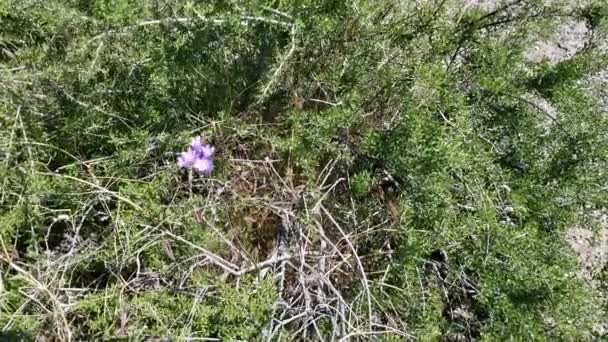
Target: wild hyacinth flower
<point>207,151</point>
<point>196,143</point>
<point>187,159</point>
<point>203,165</point>
<point>199,156</point>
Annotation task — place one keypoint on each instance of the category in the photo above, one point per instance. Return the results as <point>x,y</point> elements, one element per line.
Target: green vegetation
<point>382,169</point>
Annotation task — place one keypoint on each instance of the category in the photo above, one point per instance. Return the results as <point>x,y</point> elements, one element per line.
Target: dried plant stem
<point>364,280</point>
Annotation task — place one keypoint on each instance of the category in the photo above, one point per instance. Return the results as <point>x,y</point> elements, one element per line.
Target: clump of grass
<point>380,169</point>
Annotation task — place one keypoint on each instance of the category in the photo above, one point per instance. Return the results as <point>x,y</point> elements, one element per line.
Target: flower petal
<point>186,159</point>
<point>196,144</point>
<point>207,151</point>
<point>203,165</point>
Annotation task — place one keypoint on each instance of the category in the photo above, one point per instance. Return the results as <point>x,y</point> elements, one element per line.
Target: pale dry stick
<point>184,21</point>
<point>14,81</point>
<point>227,241</point>
<point>35,300</point>
<point>97,52</point>
<point>98,187</point>
<point>333,245</point>
<point>364,281</point>
<point>422,290</point>
<point>253,161</point>
<point>358,298</point>
<point>291,319</point>
<point>323,247</point>
<point>268,163</point>
<point>8,154</point>
<point>374,333</point>
<point>463,10</point>
<point>341,308</point>
<point>137,265</point>
<point>246,18</point>
<point>394,330</point>
<point>77,230</point>
<point>304,328</point>
<point>121,245</point>
<point>56,303</point>
<point>187,262</point>
<point>394,310</point>
<point>126,285</point>
<point>195,303</point>
<point>337,266</point>
<point>287,307</point>
<point>377,227</point>
<point>77,161</point>
<point>280,301</point>
<point>330,165</point>
<point>386,271</point>
<point>264,264</point>
<point>384,312</point>
<point>191,268</point>
<point>147,237</point>
<point>324,238</point>
<point>344,258</point>
<point>216,259</point>
<point>12,69</point>
<point>58,273</point>
<point>495,149</point>
<point>153,240</point>
<point>98,109</point>
<point>326,193</point>
<point>282,250</point>
<point>313,321</point>
<point>300,247</point>
<point>153,228</point>
<point>333,289</point>
<point>275,76</point>
<point>314,325</point>
<point>277,12</point>
<point>326,102</point>
<point>73,289</point>
<point>14,315</point>
<point>353,206</point>
<point>30,155</point>
<point>29,149</point>
<point>336,327</point>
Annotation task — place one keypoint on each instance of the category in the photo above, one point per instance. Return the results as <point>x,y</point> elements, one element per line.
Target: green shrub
<point>406,133</point>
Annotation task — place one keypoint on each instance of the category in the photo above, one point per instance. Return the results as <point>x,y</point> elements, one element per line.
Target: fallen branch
<point>267,263</point>
<point>216,259</point>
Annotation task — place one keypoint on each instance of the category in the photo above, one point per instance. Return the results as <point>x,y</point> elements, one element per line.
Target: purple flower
<point>207,151</point>
<point>203,165</point>
<point>187,159</point>
<point>198,156</point>
<point>196,143</point>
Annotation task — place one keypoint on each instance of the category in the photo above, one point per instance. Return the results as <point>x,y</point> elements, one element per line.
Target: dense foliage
<point>391,156</point>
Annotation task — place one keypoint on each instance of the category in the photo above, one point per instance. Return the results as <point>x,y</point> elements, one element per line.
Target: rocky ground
<point>590,246</point>
<point>589,243</point>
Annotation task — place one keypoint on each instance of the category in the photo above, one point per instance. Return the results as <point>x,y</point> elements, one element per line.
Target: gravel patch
<point>590,247</point>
